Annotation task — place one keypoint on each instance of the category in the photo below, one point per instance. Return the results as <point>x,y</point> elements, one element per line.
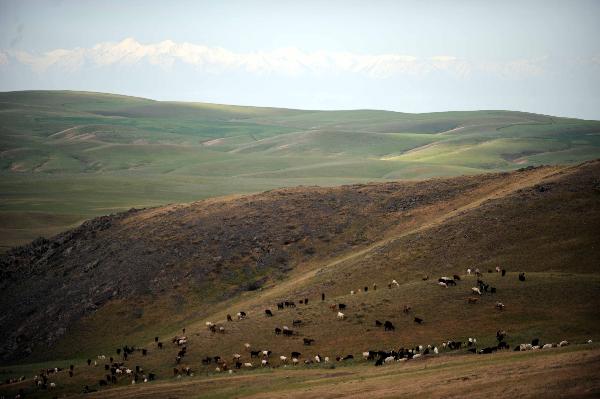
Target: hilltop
<point>66,157</point>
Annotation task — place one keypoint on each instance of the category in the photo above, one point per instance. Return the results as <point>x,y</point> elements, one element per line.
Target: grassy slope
<point>550,233</point>
<point>73,155</point>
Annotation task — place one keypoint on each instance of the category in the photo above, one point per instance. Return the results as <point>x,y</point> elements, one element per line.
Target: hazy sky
<point>411,56</point>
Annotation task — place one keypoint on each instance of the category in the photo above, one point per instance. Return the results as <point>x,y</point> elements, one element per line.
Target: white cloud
<point>284,61</point>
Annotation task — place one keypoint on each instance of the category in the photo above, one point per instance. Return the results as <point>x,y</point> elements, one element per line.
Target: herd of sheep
<point>116,369</point>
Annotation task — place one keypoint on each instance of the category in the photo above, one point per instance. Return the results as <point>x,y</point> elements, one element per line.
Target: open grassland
<point>68,156</point>
<point>570,372</point>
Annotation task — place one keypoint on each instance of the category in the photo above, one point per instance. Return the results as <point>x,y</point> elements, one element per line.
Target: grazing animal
<point>308,341</point>
<point>295,355</point>
<point>254,354</point>
<point>352,292</point>
<point>469,272</point>
<point>280,306</point>
<point>418,320</point>
<point>248,365</point>
<point>535,341</point>
<point>229,318</point>
<point>406,309</point>
<point>247,346</point>
<point>493,290</point>
<point>296,322</point>
<point>472,300</point>
<point>342,306</point>
<point>388,326</point>
<point>268,312</point>
<point>348,357</point>
<point>521,276</point>
<point>264,363</point>
<point>378,323</point>
<point>283,359</point>
<point>547,346</point>
<point>277,331</point>
<point>340,316</point>
<point>456,277</point>
<point>288,333</point>
<point>503,345</point>
<point>322,297</point>
<point>499,306</point>
<point>241,315</point>
<point>442,284</point>
<point>476,290</point>
<point>395,283</point>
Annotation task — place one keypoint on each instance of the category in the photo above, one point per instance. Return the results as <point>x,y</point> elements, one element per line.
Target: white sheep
<point>589,341</point>
<point>295,361</point>
<point>236,356</point>
<point>547,346</point>
<point>341,316</point>
<point>248,365</point>
<point>476,290</point>
<point>435,350</point>
<point>218,369</point>
<point>317,359</point>
<point>52,385</point>
<point>418,355</point>
<point>394,282</point>
<point>525,347</point>
<point>365,355</point>
<point>563,343</point>
<point>247,345</point>
<point>442,284</point>
<point>389,359</point>
<point>326,359</point>
<point>469,272</point>
<point>283,359</point>
<point>264,362</point>
<point>352,292</point>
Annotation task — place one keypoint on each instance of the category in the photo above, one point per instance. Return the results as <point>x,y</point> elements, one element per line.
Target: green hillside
<point>68,156</point>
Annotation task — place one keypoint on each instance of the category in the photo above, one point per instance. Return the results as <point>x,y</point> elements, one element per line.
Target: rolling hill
<point>69,156</point>
<point>128,277</point>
